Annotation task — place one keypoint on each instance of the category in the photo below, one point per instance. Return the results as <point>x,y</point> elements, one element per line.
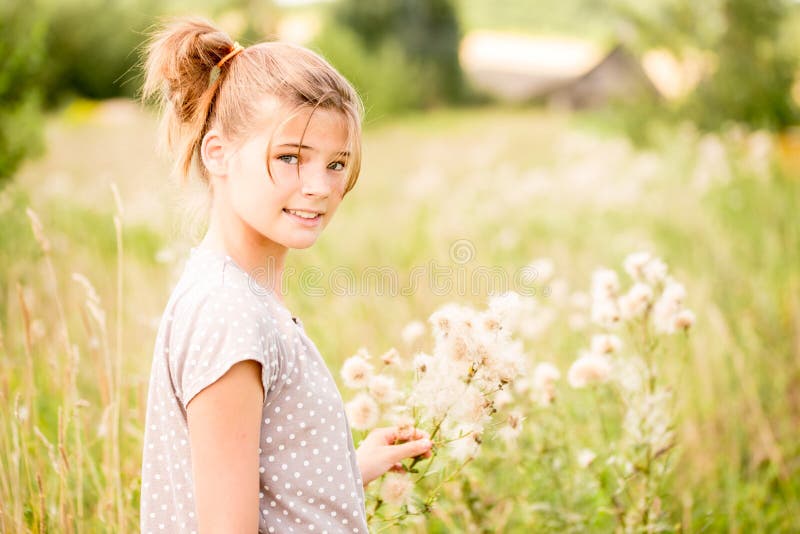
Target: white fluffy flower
<point>586,457</point>
<point>539,270</point>
<point>506,306</point>
<point>589,369</point>
<point>683,320</point>
<point>605,343</point>
<point>634,303</point>
<point>397,488</point>
<point>382,388</point>
<point>631,374</point>
<point>413,332</point>
<point>605,283</point>
<point>545,375</point>
<point>605,312</point>
<point>668,306</point>
<point>362,412</point>
<point>390,357</point>
<point>634,264</point>
<point>422,362</point>
<point>466,447</point>
<point>655,271</point>
<point>356,372</point>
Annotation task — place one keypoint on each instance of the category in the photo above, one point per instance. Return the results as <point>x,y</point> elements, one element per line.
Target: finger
<point>397,468</point>
<point>409,449</point>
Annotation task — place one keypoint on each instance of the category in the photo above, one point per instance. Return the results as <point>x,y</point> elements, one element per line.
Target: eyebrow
<point>306,147</point>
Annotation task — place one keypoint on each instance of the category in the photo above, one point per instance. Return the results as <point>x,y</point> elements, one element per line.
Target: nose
<point>315,183</point>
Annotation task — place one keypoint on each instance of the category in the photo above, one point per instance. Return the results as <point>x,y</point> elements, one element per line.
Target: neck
<point>259,256</point>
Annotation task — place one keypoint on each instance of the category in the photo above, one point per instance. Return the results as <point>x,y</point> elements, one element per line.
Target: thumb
<point>409,449</point>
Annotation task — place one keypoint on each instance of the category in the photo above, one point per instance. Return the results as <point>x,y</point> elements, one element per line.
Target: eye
<point>289,159</point>
<point>337,166</point>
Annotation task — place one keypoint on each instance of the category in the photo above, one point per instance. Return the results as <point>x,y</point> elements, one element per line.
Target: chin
<point>300,242</point>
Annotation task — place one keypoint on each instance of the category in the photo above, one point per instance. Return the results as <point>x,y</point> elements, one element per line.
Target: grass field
<point>512,185</point>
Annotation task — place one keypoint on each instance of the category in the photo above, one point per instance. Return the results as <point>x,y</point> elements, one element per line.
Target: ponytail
<point>180,73</point>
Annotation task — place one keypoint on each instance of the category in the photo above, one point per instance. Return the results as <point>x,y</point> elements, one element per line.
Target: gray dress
<point>309,479</point>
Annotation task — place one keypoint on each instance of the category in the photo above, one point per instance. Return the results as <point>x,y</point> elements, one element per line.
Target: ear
<point>213,149</point>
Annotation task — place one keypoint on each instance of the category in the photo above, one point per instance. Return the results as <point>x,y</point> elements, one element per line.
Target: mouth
<point>304,216</point>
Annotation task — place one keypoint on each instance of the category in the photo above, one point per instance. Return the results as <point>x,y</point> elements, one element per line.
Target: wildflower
<point>390,357</point>
<point>605,313</point>
<point>655,271</point>
<point>506,306</point>
<point>362,412</point>
<point>647,421</point>
<point>466,447</point>
<point>684,319</point>
<point>635,302</point>
<point>422,362</point>
<point>413,332</point>
<point>502,399</point>
<point>586,457</point>
<point>510,432</point>
<point>630,373</point>
<point>668,306</point>
<point>396,488</point>
<point>382,388</point>
<point>635,263</point>
<point>545,376</point>
<point>605,284</point>
<point>356,372</point>
<point>605,343</point>
<point>588,369</point>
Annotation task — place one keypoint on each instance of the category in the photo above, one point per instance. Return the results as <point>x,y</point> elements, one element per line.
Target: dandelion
<point>390,357</point>
<point>634,303</point>
<point>635,263</point>
<point>502,399</point>
<point>397,488</point>
<point>655,271</point>
<point>668,306</point>
<point>422,362</point>
<point>545,376</point>
<point>585,458</point>
<point>605,313</point>
<point>605,284</point>
<point>356,372</point>
<point>382,388</point>
<point>466,447</point>
<point>362,412</point>
<point>684,319</point>
<point>630,374</point>
<point>412,332</point>
<point>507,307</point>
<point>589,369</point>
<point>605,343</point>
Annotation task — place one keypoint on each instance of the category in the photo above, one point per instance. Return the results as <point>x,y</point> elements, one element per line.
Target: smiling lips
<point>305,217</point>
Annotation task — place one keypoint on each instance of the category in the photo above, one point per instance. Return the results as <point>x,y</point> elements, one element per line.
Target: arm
<point>224,429</point>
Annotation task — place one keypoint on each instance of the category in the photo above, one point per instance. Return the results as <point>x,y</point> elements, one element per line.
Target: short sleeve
<point>217,331</point>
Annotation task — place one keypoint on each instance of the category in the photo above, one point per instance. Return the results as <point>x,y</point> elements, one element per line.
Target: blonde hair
<point>195,95</point>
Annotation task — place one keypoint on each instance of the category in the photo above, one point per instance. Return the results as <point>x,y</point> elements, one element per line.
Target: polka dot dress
<point>309,479</point>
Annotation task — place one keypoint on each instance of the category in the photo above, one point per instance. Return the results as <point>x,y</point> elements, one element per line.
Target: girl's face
<point>290,209</point>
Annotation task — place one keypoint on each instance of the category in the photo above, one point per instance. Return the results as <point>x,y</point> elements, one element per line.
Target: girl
<point>245,429</point>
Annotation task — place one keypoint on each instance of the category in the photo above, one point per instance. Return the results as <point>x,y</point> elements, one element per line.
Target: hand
<point>383,448</point>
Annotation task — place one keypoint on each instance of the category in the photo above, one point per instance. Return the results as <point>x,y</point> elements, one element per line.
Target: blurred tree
<point>753,81</point>
<point>426,31</point>
<point>92,48</point>
<point>22,34</point>
<point>754,71</point>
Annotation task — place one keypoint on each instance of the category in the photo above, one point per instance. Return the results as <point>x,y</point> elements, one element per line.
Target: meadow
<point>93,235</point>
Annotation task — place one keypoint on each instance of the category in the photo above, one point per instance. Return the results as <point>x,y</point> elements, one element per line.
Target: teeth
<point>303,214</point>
